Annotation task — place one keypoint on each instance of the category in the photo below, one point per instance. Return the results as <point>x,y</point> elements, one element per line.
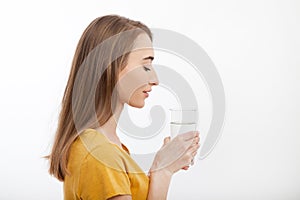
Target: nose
<point>153,80</point>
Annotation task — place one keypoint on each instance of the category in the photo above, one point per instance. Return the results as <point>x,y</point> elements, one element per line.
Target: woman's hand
<point>177,153</point>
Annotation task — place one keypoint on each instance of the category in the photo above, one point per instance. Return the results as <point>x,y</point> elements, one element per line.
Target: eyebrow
<point>149,57</point>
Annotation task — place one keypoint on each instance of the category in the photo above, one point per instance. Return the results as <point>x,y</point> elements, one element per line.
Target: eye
<point>146,68</point>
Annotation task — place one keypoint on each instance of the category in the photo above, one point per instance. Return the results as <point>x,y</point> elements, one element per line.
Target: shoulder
<point>102,152</point>
<point>102,173</point>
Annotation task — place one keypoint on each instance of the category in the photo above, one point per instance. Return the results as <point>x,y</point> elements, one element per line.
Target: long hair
<point>94,58</point>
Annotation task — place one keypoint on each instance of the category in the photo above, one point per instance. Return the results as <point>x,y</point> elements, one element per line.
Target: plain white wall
<point>255,46</point>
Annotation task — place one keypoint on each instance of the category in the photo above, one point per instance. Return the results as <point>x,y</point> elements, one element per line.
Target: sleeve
<point>103,177</point>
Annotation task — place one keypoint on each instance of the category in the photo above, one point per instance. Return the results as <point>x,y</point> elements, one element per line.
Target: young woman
<point>111,67</point>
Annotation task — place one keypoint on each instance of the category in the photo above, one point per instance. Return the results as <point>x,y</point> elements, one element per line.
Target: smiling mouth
<point>146,93</point>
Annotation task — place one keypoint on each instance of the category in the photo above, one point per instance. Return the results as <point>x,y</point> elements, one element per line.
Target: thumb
<point>166,140</point>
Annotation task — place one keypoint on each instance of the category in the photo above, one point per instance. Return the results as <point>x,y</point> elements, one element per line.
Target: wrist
<point>163,173</point>
<point>159,181</point>
<point>157,168</point>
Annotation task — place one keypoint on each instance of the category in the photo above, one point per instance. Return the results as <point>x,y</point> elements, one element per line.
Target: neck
<point>109,128</point>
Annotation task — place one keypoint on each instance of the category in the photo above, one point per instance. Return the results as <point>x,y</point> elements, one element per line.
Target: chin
<point>137,104</point>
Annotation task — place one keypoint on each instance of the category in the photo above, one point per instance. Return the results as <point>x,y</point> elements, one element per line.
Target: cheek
<point>133,97</point>
<point>127,94</point>
<point>130,85</point>
<point>137,99</point>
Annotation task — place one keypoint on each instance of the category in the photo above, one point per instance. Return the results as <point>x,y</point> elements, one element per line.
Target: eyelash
<point>146,68</point>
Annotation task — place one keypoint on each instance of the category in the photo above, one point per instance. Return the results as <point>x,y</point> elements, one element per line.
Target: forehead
<point>142,48</point>
<point>141,42</point>
<point>140,54</point>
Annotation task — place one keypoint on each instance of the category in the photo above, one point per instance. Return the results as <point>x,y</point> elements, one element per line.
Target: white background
<point>255,46</point>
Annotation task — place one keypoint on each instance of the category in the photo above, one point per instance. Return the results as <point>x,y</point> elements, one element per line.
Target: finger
<point>189,143</point>
<point>196,140</point>
<point>189,135</point>
<point>195,153</point>
<point>192,162</point>
<point>193,149</point>
<point>166,140</point>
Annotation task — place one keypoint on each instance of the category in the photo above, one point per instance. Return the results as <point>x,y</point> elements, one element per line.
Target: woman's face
<point>138,77</point>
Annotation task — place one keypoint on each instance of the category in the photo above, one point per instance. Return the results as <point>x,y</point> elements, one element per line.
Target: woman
<point>111,67</point>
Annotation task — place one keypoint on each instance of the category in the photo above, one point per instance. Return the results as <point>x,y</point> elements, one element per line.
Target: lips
<point>146,92</point>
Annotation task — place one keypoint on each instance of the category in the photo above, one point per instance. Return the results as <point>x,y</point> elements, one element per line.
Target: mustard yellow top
<point>100,170</point>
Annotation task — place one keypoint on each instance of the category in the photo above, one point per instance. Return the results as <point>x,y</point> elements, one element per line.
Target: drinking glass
<point>182,121</point>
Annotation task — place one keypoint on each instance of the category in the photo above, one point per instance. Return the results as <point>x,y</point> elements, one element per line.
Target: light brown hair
<point>99,62</point>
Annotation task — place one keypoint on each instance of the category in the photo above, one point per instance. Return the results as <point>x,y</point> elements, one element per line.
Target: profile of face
<point>137,78</point>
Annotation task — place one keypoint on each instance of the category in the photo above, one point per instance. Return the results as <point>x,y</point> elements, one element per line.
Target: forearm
<point>159,185</point>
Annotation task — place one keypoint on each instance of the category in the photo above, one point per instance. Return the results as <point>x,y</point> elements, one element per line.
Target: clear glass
<point>182,121</point>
